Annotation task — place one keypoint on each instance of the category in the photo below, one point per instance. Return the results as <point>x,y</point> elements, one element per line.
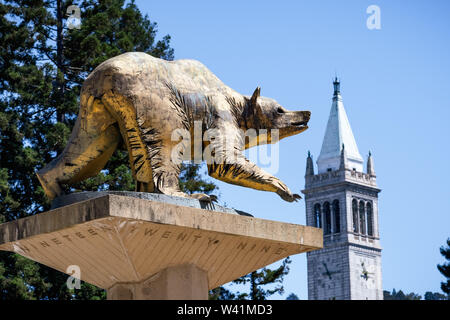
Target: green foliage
<point>399,295</point>
<point>292,296</point>
<point>191,182</point>
<point>260,278</point>
<point>444,268</point>
<point>220,293</point>
<point>17,276</point>
<point>42,67</point>
<point>262,284</point>
<point>435,296</point>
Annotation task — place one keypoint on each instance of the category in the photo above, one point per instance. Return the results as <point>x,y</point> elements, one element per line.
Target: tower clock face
<point>366,273</point>
<point>329,271</point>
<point>328,274</point>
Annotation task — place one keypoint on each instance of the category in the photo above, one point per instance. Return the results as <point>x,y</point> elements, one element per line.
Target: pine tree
<point>435,296</point>
<point>262,284</point>
<point>260,279</point>
<point>42,66</point>
<point>444,268</point>
<point>192,181</point>
<point>292,296</point>
<point>221,293</point>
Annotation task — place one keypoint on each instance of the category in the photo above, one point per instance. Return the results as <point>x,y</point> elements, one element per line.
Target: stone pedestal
<point>144,249</point>
<point>183,282</point>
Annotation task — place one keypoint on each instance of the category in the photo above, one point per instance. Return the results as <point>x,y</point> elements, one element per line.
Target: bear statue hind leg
<point>94,138</point>
<point>134,136</point>
<point>148,150</point>
<point>165,175</point>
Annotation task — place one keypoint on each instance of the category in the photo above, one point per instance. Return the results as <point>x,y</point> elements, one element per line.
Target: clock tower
<point>342,199</point>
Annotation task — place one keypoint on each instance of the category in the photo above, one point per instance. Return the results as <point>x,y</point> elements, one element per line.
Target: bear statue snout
<point>300,118</point>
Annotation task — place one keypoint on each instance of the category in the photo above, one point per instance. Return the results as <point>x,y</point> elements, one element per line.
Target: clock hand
<point>365,275</point>
<point>328,272</point>
<point>334,272</point>
<point>362,265</point>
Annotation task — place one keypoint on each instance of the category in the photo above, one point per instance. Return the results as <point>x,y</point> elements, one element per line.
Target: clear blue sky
<point>396,91</point>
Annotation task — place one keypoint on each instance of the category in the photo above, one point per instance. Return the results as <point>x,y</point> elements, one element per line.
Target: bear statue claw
<point>289,197</point>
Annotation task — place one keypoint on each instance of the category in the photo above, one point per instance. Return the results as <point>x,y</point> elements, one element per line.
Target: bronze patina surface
<point>140,101</point>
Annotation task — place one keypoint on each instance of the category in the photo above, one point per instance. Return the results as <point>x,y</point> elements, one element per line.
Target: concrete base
<point>184,282</point>
<point>120,243</point>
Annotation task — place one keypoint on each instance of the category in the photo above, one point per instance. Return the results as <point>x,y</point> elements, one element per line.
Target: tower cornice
<point>331,178</point>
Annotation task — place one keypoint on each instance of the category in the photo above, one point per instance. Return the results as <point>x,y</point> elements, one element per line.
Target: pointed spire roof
<point>338,132</point>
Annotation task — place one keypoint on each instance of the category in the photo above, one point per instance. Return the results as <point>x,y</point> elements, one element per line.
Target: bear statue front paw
<point>284,192</point>
<point>288,196</point>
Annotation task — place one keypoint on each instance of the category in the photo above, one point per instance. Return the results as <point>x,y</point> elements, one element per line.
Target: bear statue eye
<point>280,110</point>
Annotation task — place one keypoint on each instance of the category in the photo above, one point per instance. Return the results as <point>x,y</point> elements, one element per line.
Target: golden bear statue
<point>140,101</point>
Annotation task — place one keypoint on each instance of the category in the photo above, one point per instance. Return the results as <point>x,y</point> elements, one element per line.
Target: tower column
<point>349,265</point>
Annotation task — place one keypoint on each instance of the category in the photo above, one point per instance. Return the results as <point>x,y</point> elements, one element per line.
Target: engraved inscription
<point>151,232</point>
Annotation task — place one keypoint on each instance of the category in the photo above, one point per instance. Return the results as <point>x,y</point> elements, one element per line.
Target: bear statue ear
<point>255,96</point>
<point>252,104</point>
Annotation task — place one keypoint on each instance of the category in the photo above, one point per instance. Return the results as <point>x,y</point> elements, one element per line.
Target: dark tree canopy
<point>191,182</point>
<point>444,268</point>
<point>262,284</point>
<point>400,295</point>
<point>292,296</point>
<point>42,66</point>
<point>434,296</point>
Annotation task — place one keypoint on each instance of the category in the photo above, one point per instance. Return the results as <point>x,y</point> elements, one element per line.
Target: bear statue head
<point>265,113</point>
